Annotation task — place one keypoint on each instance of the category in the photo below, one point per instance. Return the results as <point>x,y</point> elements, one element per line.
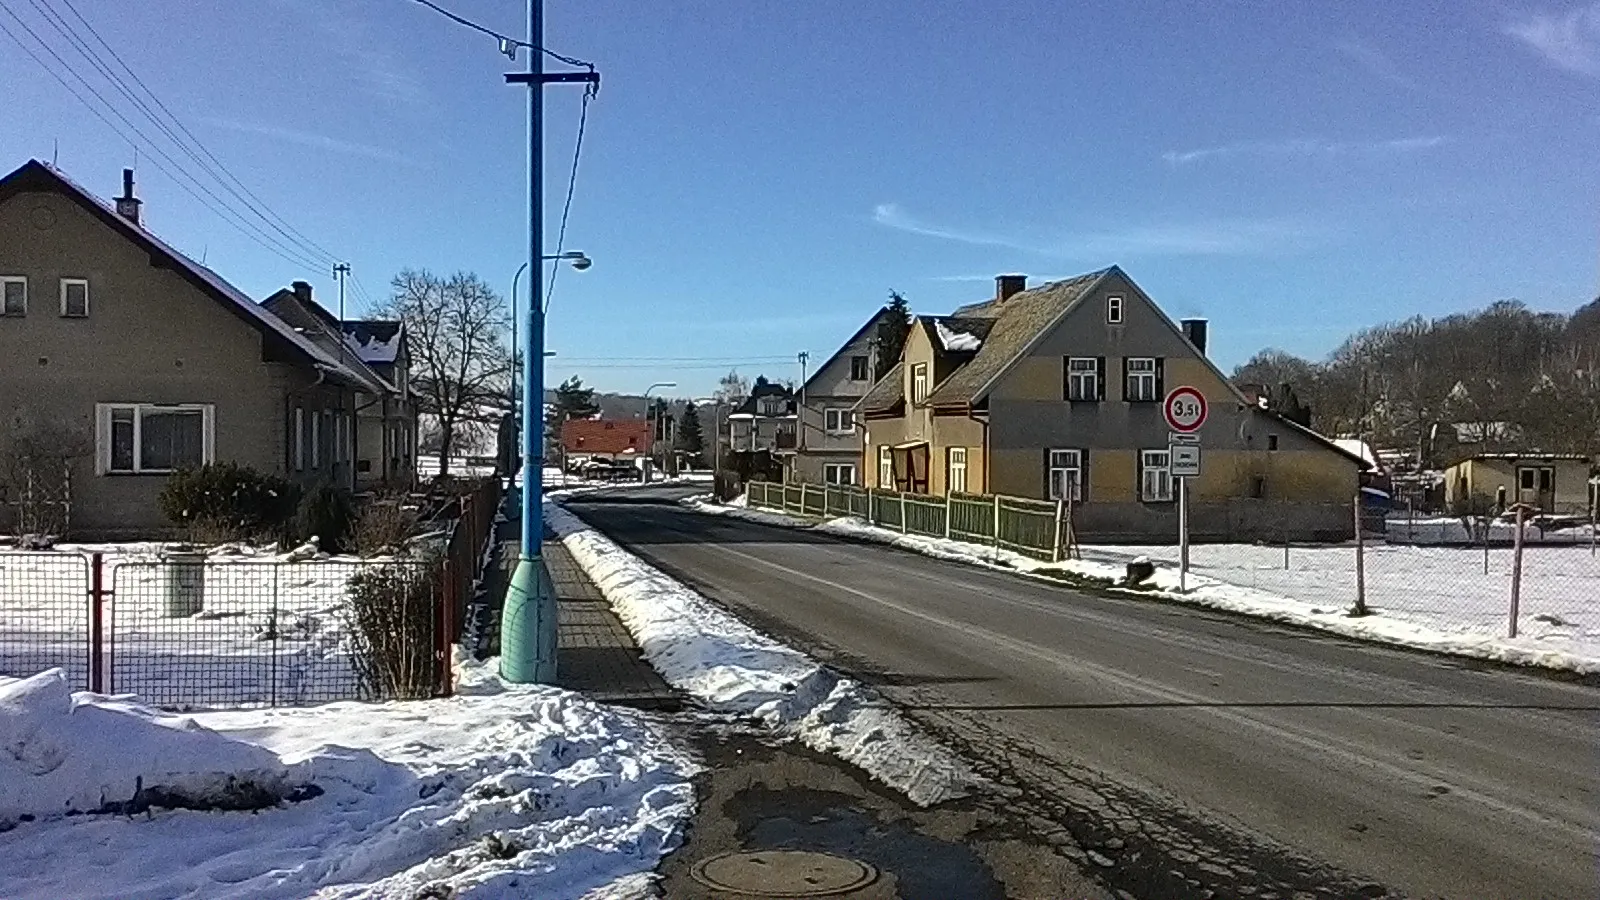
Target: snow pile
<point>956,341</point>
<point>1412,606</point>
<point>515,791</point>
<point>733,668</point>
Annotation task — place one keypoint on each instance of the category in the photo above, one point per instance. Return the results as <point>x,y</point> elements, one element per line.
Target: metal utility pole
<point>800,411</point>
<point>341,272</point>
<point>528,622</point>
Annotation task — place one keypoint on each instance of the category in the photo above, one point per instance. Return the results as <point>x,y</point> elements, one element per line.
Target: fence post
<point>997,520</point>
<point>444,636</point>
<point>1061,513</point>
<point>902,513</point>
<point>97,623</point>
<point>949,510</point>
<point>1516,570</point>
<point>1361,565</point>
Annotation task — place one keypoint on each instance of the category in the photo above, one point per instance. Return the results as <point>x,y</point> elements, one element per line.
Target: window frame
<point>299,439</point>
<point>952,466</point>
<point>74,282</point>
<point>1152,375</point>
<point>886,467</point>
<point>105,440</point>
<point>5,280</point>
<point>1076,467</point>
<point>919,382</point>
<point>1091,375</point>
<point>1146,467</point>
<point>1116,309</point>
<point>836,468</point>
<point>842,414</point>
<point>1272,443</point>
<point>865,364</point>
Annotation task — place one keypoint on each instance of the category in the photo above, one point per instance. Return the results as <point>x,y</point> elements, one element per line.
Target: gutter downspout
<point>987,484</point>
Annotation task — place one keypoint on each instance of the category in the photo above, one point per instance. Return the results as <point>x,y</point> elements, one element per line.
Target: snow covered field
<point>509,791</point>
<point>1434,598</point>
<point>268,630</point>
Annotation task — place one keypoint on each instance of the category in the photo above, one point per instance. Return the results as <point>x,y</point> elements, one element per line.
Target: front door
<point>1536,485</point>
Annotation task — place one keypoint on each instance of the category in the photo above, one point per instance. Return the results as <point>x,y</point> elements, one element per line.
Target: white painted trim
<point>103,438</point>
<point>67,282</point>
<point>13,279</point>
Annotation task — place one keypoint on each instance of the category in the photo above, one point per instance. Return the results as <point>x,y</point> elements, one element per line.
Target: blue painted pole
<point>528,621</point>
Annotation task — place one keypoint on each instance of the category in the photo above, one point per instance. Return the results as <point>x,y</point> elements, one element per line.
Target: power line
<point>283,251</point>
<point>572,183</point>
<point>211,163</point>
<point>685,359</point>
<point>504,39</point>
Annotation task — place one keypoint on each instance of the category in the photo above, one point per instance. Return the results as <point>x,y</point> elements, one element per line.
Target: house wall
<point>150,337</point>
<point>1485,477</point>
<point>832,387</point>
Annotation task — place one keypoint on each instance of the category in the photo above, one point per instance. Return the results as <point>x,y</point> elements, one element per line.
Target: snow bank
<point>512,791</point>
<point>1570,642</point>
<point>733,668</point>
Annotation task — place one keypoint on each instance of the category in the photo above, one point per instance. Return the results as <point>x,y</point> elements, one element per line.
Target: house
<point>1556,483</point>
<point>122,360</point>
<point>386,423</point>
<point>1056,392</point>
<point>829,447</point>
<point>615,439</point>
<point>765,421</point>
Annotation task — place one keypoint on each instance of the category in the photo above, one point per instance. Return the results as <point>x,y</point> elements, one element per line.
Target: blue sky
<point>757,176</point>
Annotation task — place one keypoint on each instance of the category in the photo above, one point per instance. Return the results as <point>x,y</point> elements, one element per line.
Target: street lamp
<point>650,453</point>
<point>581,262</point>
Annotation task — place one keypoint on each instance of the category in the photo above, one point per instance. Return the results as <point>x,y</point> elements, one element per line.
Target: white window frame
<point>13,279</point>
<point>839,420</point>
<point>1115,307</point>
<point>886,467</point>
<point>1141,376</point>
<point>839,473</point>
<point>103,440</point>
<point>74,282</point>
<point>1066,467</point>
<point>1155,476</point>
<point>919,382</point>
<point>299,439</point>
<point>1083,378</point>
<point>956,474</point>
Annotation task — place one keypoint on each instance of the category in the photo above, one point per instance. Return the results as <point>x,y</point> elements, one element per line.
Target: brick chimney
<point>302,292</point>
<point>128,205</point>
<point>1008,286</point>
<point>1195,331</point>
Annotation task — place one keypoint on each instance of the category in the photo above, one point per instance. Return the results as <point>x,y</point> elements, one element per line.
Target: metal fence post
<point>997,520</point>
<point>902,513</point>
<point>97,592</point>
<point>1516,570</point>
<point>1361,565</point>
<point>1061,512</point>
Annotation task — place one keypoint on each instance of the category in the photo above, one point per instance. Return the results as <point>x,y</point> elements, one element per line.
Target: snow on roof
<point>956,341</point>
<point>1358,448</point>
<point>372,349</point>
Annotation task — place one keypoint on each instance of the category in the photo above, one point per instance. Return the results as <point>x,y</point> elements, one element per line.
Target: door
<point>1536,485</point>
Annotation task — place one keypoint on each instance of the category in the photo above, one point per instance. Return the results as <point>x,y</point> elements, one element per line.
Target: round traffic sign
<point>1185,409</point>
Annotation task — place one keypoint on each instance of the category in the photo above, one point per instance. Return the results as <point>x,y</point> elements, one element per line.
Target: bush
<point>384,523</point>
<point>392,617</point>
<point>326,513</point>
<point>227,501</point>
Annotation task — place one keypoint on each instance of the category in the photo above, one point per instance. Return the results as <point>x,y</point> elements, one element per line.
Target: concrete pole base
<point>528,625</point>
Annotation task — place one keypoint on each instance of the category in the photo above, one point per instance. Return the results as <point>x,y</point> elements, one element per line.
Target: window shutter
<point>1046,494</point>
<point>1125,396</point>
<point>102,439</point>
<point>1066,378</point>
<point>1161,378</point>
<point>1083,475</point>
<point>1100,377</point>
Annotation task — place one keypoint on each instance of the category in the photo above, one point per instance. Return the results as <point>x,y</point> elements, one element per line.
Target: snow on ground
<point>510,791</point>
<point>1452,531</point>
<point>1427,597</point>
<point>732,668</point>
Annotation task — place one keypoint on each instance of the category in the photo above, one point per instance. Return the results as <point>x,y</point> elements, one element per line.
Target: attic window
<point>75,298</point>
<point>858,368</point>
<point>13,295</point>
<point>1114,310</point>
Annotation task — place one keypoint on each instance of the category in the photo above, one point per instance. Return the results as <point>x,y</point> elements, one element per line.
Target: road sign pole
<point>1183,535</point>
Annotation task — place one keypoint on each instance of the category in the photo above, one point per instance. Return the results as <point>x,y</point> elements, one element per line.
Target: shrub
<point>392,617</point>
<point>326,513</point>
<point>385,522</point>
<point>228,501</point>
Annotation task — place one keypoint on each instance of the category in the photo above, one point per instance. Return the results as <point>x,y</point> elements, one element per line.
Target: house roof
<point>607,436</point>
<point>751,407</point>
<point>887,395</point>
<point>1016,322</point>
<point>39,176</point>
<point>871,323</point>
<point>331,332</point>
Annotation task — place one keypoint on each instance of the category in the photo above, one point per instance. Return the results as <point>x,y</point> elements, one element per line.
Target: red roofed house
<point>614,438</point>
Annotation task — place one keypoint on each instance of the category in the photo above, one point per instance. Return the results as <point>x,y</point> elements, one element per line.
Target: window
<point>13,295</point>
<point>772,406</point>
<point>1155,476</point>
<point>885,467</point>
<point>299,439</point>
<point>137,438</point>
<point>1142,379</point>
<point>1065,475</point>
<point>1541,478</point>
<point>1083,378</point>
<point>1114,309</point>
<point>919,382</point>
<point>957,482</point>
<point>838,421</point>
<point>1258,487</point>
<point>839,473</point>
<point>1272,442</point>
<point>75,298</point>
<point>858,368</point>
<point>316,440</point>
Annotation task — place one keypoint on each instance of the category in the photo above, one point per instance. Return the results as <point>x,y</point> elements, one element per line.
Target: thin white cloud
<point>1304,147</point>
<point>1376,62</point>
<point>1569,40</point>
<point>380,71</point>
<point>1206,238</point>
<point>314,140</point>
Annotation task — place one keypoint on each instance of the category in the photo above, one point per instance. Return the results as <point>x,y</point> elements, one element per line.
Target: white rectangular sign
<point>1185,460</point>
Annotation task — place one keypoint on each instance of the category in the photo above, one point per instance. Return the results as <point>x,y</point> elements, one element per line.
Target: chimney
<point>128,204</point>
<point>1195,331</point>
<point>302,292</point>
<point>1008,286</point>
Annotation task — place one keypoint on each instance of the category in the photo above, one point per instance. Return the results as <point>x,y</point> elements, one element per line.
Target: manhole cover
<point>783,873</point>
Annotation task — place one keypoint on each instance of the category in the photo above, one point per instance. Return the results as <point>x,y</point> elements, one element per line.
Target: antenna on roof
<point>55,151</point>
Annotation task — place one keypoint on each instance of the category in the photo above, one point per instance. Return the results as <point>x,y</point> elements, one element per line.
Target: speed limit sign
<point>1185,409</point>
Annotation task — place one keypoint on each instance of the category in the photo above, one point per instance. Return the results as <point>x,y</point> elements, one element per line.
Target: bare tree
<point>732,388</point>
<point>37,457</point>
<point>460,364</point>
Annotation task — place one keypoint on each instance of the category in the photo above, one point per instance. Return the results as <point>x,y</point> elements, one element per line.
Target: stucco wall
<point>1485,477</point>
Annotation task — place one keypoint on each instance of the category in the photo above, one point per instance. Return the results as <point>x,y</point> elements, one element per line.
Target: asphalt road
<point>1214,752</point>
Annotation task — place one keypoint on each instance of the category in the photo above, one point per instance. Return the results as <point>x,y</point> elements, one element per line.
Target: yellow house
<point>1057,391</point>
<point>1556,483</point>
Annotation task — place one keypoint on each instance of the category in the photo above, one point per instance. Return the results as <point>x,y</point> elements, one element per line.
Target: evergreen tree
<point>892,333</point>
<point>690,438</point>
<point>573,401</point>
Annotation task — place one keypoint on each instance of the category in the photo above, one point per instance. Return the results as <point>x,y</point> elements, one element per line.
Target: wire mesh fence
<point>45,612</point>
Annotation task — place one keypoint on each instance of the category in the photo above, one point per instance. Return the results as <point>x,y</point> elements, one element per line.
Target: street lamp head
<point>580,262</point>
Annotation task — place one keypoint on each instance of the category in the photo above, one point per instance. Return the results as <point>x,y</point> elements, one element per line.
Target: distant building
<point>1556,483</point>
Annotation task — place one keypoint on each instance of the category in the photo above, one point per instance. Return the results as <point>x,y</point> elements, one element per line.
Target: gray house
<point>765,421</point>
<point>829,450</point>
<point>123,360</point>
